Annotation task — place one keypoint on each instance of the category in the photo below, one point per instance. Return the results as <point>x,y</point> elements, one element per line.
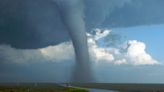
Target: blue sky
<point>151,35</point>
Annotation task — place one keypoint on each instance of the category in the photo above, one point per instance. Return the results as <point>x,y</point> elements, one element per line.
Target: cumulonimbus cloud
<point>137,55</point>
<point>37,24</point>
<point>126,54</point>
<point>131,52</point>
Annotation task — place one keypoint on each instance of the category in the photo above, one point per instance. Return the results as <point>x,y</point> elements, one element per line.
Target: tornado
<point>71,12</point>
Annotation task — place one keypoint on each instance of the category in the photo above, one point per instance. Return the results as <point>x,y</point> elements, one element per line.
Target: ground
<point>40,89</point>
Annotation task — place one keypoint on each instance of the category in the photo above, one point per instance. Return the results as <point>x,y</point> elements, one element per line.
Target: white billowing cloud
<point>100,54</point>
<point>121,61</point>
<point>63,51</point>
<point>137,55</point>
<point>97,53</point>
<point>131,52</point>
<point>101,33</point>
<point>56,53</point>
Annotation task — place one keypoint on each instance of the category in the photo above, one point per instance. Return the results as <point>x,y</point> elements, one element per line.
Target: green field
<point>40,89</point>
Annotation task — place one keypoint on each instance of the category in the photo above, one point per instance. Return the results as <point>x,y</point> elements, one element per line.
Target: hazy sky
<point>55,63</point>
<point>125,39</point>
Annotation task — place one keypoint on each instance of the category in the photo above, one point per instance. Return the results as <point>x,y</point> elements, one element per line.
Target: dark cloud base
<point>32,24</point>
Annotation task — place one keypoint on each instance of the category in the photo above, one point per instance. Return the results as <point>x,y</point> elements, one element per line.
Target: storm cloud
<point>130,52</point>
<point>56,63</point>
<point>33,24</point>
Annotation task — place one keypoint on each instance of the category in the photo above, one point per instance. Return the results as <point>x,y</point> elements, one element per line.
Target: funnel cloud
<point>73,19</point>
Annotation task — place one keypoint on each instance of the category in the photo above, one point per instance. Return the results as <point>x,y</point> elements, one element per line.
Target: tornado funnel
<point>72,15</point>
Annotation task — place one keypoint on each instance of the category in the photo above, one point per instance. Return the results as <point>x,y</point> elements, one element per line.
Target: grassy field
<point>40,89</point>
<point>123,87</point>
